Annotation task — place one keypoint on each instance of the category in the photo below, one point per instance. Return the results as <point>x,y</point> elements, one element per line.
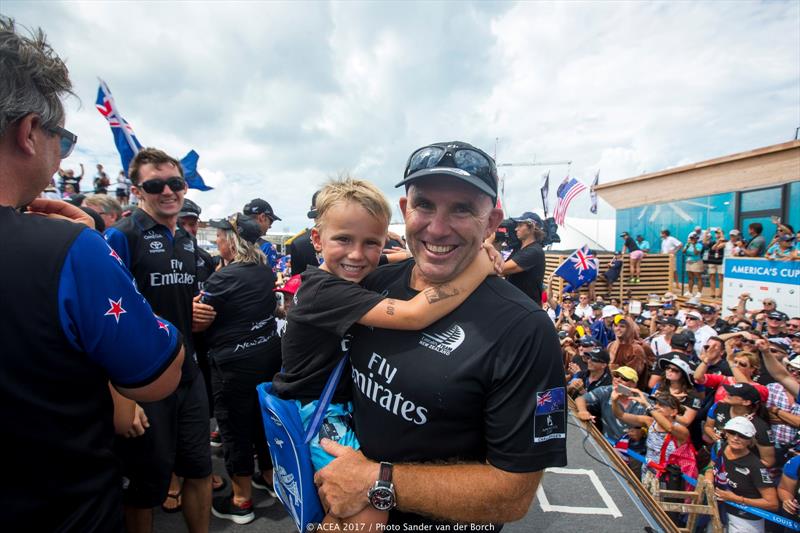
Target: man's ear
<point>403,205</point>
<point>25,134</point>
<point>495,218</point>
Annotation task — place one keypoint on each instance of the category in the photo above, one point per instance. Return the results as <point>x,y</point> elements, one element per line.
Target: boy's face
<point>351,241</point>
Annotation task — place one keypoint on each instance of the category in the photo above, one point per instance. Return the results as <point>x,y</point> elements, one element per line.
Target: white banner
<point>762,278</point>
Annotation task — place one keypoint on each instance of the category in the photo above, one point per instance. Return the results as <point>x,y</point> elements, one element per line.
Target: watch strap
<point>385,472</point>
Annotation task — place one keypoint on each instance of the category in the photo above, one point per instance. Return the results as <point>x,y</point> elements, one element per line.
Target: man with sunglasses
<point>163,259</point>
<point>600,399</point>
<point>75,331</point>
<point>499,419</point>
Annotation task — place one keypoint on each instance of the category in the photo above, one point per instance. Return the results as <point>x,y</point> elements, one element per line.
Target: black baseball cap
<point>671,320</point>
<point>597,306</point>
<point>312,212</point>
<point>777,315</point>
<point>456,159</point>
<point>587,340</point>
<point>599,355</point>
<point>744,391</point>
<point>623,234</point>
<point>681,340</point>
<point>247,228</point>
<point>258,206</point>
<point>707,309</point>
<point>190,209</point>
<point>529,217</point>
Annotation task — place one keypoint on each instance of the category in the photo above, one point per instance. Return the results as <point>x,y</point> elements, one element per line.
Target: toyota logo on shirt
<point>156,247</point>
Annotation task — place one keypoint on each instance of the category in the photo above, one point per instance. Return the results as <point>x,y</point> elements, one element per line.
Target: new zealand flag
<point>550,401</point>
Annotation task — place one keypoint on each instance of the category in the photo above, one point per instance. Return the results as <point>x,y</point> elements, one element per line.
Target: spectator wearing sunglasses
<point>738,476</point>
<point>702,331</point>
<point>745,367</point>
<point>163,259</point>
<point>72,320</point>
<point>613,427</point>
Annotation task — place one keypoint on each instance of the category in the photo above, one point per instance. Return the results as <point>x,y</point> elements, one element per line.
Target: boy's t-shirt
<point>323,309</point>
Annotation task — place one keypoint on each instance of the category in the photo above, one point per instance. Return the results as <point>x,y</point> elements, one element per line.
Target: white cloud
<point>278,97</point>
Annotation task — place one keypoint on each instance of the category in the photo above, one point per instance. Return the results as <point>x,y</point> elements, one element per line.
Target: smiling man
<point>467,413</point>
<point>163,259</point>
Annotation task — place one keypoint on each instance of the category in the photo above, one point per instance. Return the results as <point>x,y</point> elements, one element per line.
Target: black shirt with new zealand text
<point>722,413</point>
<point>241,294</point>
<point>164,266</point>
<point>324,309</point>
<point>531,260</point>
<point>744,477</point>
<point>484,383</point>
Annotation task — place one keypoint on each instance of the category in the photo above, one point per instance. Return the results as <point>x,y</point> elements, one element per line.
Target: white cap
<point>611,310</point>
<point>741,424</point>
<point>695,314</point>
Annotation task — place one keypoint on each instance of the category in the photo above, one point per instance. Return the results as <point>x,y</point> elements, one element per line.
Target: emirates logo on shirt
<point>444,343</point>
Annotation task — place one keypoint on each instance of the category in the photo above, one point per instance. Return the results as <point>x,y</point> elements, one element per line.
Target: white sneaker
<point>698,295</point>
<point>687,294</point>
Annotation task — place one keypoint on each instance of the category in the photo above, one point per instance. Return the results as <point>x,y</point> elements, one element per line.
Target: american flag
<point>569,189</point>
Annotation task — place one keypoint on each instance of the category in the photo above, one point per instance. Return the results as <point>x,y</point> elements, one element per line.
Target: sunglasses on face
<point>673,369</point>
<point>735,434</point>
<point>156,186</point>
<point>792,370</point>
<point>742,364</point>
<point>67,140</point>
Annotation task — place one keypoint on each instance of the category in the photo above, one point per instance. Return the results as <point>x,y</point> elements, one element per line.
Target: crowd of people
<point>682,385</point>
<point>705,251</point>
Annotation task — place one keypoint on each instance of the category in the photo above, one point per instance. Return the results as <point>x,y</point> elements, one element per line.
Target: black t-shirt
<point>745,476</point>
<point>605,379</point>
<point>205,266</point>
<point>325,308</point>
<point>303,254</point>
<point>722,413</point>
<point>720,367</point>
<point>531,260</point>
<point>165,268</point>
<point>484,383</point>
<point>241,295</point>
<point>631,244</point>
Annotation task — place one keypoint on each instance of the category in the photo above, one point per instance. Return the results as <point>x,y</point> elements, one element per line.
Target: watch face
<point>382,498</point>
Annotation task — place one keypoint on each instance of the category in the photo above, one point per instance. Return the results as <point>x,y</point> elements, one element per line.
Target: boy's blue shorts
<point>336,426</point>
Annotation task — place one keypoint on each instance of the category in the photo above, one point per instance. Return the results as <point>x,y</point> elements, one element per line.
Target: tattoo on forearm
<point>442,292</point>
<point>390,306</point>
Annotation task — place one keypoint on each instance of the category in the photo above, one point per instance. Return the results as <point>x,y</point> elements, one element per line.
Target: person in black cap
<point>244,350</point>
<point>596,375</point>
<point>524,268</point>
<point>679,381</point>
<point>520,428</point>
<point>300,248</point>
<point>776,324</point>
<point>743,400</point>
<point>264,216</point>
<point>662,343</point>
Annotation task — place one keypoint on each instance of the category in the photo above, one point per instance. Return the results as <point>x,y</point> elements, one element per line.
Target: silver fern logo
<point>444,343</point>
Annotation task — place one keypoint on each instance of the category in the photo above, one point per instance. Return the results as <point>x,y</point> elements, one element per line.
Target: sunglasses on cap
<point>67,140</point>
<point>467,159</point>
<point>157,185</point>
<point>736,434</point>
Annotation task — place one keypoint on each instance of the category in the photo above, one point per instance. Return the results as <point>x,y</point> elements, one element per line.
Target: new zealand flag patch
<point>550,418</point>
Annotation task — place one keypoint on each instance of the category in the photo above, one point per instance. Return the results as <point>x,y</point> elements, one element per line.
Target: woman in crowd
<point>244,350</point>
<point>693,252</point>
<point>678,381</point>
<point>738,476</point>
<point>626,350</point>
<point>635,256</point>
<point>665,435</point>
<point>745,366</point>
<point>743,401</point>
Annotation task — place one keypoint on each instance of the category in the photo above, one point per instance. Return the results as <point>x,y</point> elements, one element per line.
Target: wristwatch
<point>381,495</point>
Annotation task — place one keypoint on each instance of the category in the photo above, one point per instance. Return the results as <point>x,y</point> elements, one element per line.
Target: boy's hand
<point>495,258</point>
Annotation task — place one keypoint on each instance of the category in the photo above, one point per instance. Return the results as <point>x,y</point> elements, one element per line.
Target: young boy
<point>352,224</point>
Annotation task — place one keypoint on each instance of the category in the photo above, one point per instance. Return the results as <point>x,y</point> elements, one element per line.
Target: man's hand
<point>790,506</point>
<point>202,315</point>
<point>58,209</point>
<point>586,416</point>
<point>345,482</point>
<point>140,423</point>
<point>495,257</point>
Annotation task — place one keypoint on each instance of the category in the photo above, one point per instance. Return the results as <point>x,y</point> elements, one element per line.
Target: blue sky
<point>278,97</point>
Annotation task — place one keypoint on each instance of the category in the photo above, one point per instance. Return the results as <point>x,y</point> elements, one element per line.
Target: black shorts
<point>178,440</point>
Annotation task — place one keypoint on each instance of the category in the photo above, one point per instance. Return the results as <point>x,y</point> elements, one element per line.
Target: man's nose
<point>439,224</point>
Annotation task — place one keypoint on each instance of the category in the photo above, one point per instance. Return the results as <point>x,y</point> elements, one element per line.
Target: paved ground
<point>584,496</point>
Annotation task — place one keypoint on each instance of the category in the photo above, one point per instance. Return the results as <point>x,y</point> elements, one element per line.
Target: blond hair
<point>349,189</point>
<point>243,251</point>
<point>103,203</point>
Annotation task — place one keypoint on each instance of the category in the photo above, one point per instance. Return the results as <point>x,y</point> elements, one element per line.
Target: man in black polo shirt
<point>71,320</point>
<point>263,214</point>
<point>479,395</point>
<point>163,260</point>
<point>525,267</point>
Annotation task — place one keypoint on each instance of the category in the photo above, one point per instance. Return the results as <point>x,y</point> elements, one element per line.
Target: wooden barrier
<point>656,276</point>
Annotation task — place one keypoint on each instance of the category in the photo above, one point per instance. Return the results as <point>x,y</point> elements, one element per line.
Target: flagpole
<point>122,122</point>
